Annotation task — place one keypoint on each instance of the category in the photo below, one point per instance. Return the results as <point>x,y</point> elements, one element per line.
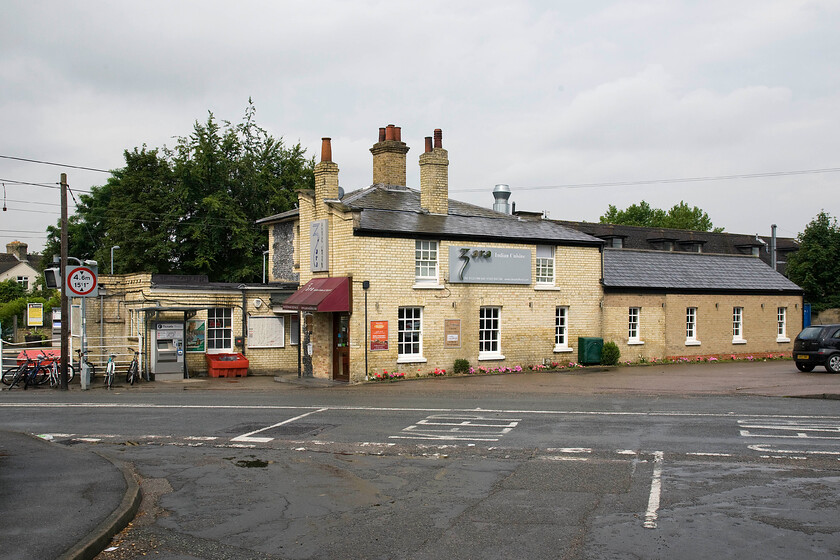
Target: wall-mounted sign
<point>489,265</point>
<point>379,335</point>
<point>81,281</point>
<point>319,246</point>
<point>34,314</point>
<point>452,333</point>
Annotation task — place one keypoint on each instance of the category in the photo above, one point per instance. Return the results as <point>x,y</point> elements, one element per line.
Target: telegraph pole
<point>65,304</point>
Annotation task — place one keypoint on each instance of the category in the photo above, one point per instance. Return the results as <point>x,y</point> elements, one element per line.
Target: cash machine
<point>168,349</point>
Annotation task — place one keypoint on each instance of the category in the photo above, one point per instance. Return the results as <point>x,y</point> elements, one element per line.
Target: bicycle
<point>110,370</point>
<point>83,360</point>
<point>55,372</point>
<point>133,374</point>
<point>31,372</point>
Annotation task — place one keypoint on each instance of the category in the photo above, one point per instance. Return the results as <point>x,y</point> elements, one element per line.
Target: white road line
<point>799,435</point>
<point>655,490</point>
<point>247,437</point>
<point>768,449</point>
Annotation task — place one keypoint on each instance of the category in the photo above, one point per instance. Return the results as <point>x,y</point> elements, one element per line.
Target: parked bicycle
<point>30,373</point>
<point>133,374</point>
<point>54,370</point>
<point>110,370</point>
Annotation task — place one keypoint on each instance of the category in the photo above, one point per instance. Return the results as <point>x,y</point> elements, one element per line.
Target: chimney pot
<point>398,134</point>
<point>326,149</point>
<point>389,132</point>
<point>438,138</point>
<point>382,134</point>
<point>428,144</point>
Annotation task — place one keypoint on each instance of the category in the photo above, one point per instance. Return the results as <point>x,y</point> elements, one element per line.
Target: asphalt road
<point>462,470</point>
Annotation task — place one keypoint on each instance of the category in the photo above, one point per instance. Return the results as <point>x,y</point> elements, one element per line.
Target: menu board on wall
<point>452,333</point>
<point>379,335</point>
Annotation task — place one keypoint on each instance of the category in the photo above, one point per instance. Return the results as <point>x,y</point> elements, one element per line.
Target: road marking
<point>447,427</point>
<point>768,449</point>
<point>248,437</point>
<point>655,491</point>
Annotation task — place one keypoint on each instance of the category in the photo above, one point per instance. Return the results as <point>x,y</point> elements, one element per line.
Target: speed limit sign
<point>82,281</point>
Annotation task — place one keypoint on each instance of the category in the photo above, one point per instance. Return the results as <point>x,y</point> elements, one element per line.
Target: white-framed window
<point>23,281</point>
<point>489,333</point>
<point>410,335</point>
<point>738,325</point>
<point>561,329</point>
<point>426,262</point>
<point>219,329</point>
<point>545,265</point>
<point>691,326</point>
<point>633,323</point>
<point>781,325</point>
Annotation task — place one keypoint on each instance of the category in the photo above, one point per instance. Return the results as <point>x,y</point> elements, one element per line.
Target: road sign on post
<point>82,281</point>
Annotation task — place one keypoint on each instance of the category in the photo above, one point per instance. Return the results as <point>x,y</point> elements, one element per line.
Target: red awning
<point>321,294</point>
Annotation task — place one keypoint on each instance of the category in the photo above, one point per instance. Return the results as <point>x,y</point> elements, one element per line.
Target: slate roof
<point>669,271</point>
<point>396,212</point>
<point>640,237</point>
<point>8,261</point>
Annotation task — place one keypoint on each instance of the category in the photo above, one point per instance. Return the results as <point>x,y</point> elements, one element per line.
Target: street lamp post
<point>112,258</point>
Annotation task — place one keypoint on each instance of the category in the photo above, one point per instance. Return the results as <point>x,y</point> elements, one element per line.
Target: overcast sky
<point>548,97</point>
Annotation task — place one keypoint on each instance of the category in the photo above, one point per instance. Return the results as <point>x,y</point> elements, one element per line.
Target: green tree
<point>191,209</point>
<point>680,216</point>
<point>9,290</point>
<point>815,267</point>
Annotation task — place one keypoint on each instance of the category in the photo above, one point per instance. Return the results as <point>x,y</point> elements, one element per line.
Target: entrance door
<point>341,346</point>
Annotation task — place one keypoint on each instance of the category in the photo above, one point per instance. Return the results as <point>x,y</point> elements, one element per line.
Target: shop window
<point>219,331</point>
<point>545,265</point>
<point>561,330</point>
<point>410,335</point>
<point>489,334</point>
<point>426,262</point>
<point>738,325</point>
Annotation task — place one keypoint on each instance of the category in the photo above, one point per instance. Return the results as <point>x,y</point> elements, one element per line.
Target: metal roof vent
<point>501,193</point>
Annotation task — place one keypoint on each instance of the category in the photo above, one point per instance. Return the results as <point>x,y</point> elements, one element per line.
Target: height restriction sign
<point>81,281</point>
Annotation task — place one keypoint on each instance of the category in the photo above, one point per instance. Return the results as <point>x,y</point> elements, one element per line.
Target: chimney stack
<point>389,157</point>
<point>326,175</point>
<point>18,249</point>
<point>434,176</point>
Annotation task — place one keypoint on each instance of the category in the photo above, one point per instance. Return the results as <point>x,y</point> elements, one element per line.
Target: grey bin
<point>589,350</point>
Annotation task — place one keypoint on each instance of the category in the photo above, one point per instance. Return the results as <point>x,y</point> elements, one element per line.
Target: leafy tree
<point>815,267</point>
<point>10,290</point>
<point>191,209</point>
<point>680,216</point>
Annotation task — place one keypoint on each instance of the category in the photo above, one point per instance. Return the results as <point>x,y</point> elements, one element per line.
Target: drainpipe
<point>244,316</point>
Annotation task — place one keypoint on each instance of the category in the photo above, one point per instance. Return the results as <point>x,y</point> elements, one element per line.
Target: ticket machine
<point>168,347</point>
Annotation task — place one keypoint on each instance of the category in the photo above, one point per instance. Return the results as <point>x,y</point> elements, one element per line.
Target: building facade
<point>396,279</point>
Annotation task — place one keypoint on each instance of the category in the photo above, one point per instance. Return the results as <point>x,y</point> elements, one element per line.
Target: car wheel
<point>832,364</point>
<point>804,367</point>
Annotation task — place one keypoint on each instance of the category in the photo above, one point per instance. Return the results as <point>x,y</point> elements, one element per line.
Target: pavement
<point>87,498</point>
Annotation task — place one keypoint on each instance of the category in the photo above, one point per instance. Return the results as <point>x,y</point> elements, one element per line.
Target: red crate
<point>227,365</point>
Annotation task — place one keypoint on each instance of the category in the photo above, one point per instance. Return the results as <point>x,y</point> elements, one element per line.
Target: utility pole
<point>65,304</point>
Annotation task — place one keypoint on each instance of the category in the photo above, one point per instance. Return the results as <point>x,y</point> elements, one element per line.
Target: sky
<point>732,106</point>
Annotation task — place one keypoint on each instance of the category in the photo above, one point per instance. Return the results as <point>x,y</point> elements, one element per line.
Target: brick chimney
<point>434,176</point>
<point>18,249</point>
<point>326,175</point>
<point>389,157</point>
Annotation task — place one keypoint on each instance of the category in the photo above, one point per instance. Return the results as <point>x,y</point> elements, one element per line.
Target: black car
<point>818,345</point>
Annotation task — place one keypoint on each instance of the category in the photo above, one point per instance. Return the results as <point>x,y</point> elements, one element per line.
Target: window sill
<point>546,288</point>
<point>560,349</point>
<point>428,286</point>
<point>738,341</point>
<point>692,343</point>
<point>411,360</point>
<point>635,343</point>
<point>490,356</point>
<point>783,339</point>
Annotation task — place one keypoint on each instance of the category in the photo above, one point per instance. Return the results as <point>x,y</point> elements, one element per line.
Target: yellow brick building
<point>396,279</point>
